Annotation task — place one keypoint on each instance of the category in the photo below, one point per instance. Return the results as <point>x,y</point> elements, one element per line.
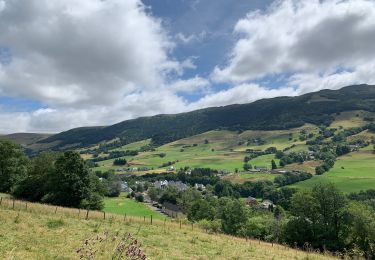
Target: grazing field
<point>351,173</point>
<point>264,161</point>
<point>220,149</point>
<point>350,119</point>
<point>246,176</point>
<point>123,205</point>
<point>39,233</point>
<point>307,166</point>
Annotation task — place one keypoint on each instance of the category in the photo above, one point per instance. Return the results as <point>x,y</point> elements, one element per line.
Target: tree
<point>33,186</point>
<point>119,162</point>
<point>113,188</point>
<point>72,185</point>
<point>319,170</point>
<point>362,228</point>
<point>247,166</point>
<point>153,193</point>
<point>233,216</point>
<point>139,197</point>
<point>13,165</point>
<point>201,209</point>
<point>187,199</point>
<point>274,166</point>
<point>318,218</point>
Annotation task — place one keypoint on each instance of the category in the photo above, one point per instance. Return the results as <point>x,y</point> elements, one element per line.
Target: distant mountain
<point>266,114</point>
<point>25,139</point>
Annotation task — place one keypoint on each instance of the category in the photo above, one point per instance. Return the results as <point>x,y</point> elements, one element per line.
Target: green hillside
<point>351,173</point>
<point>267,114</point>
<point>59,235</point>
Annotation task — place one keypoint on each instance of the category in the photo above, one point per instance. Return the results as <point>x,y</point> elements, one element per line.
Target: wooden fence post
<point>1,200</point>
<point>125,217</point>
<point>87,214</point>
<point>13,203</point>
<point>180,224</point>
<point>192,226</point>
<point>26,206</point>
<point>104,215</point>
<point>55,209</point>
<point>151,219</point>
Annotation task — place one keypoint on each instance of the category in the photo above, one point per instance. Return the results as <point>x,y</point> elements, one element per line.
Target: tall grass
<point>48,232</point>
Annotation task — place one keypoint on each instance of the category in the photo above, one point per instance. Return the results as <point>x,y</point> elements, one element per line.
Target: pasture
<point>351,173</point>
<point>122,205</point>
<point>220,149</point>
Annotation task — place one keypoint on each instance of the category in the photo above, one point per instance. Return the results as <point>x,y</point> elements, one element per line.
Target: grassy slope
<point>32,235</point>
<point>123,205</point>
<point>222,151</point>
<point>351,173</point>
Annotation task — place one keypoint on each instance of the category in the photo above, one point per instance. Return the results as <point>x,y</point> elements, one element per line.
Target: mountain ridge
<point>266,114</point>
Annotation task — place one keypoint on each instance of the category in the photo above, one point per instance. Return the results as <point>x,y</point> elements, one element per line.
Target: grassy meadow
<point>225,150</point>
<point>221,150</point>
<point>39,233</point>
<point>351,173</point>
<point>122,205</point>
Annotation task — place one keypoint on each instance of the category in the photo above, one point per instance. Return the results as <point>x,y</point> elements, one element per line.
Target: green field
<point>123,205</point>
<point>351,173</point>
<point>225,150</point>
<point>221,150</point>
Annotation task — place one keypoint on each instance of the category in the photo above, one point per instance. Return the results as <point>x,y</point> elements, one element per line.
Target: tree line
<point>56,178</point>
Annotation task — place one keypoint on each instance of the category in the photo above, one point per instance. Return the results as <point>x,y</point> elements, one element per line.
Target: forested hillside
<point>268,114</point>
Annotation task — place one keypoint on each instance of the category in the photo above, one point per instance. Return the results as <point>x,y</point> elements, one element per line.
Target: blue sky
<point>65,64</point>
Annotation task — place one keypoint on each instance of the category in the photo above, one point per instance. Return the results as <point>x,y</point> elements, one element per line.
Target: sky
<point>68,63</point>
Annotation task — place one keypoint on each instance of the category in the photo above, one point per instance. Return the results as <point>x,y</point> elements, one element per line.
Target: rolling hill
<point>268,114</point>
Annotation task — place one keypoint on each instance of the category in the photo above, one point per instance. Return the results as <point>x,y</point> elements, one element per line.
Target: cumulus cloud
<point>190,85</point>
<point>303,37</point>
<point>243,93</point>
<point>94,62</point>
<point>81,52</point>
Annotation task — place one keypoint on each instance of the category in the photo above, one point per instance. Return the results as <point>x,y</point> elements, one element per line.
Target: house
<point>161,185</point>
<point>354,147</point>
<point>279,171</point>
<point>179,185</point>
<point>125,187</point>
<point>171,168</point>
<point>171,210</point>
<point>199,186</point>
<point>260,169</point>
<point>266,204</point>
<point>251,201</point>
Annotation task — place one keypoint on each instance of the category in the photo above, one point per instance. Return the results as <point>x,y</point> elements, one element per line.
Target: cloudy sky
<point>69,63</point>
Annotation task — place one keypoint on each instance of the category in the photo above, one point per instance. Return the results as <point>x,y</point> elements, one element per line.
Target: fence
<point>19,205</point>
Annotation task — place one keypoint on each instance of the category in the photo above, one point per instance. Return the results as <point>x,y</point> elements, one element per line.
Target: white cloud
<point>243,93</point>
<point>94,62</point>
<point>308,36</point>
<point>82,52</point>
<point>190,85</point>
<point>186,39</point>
